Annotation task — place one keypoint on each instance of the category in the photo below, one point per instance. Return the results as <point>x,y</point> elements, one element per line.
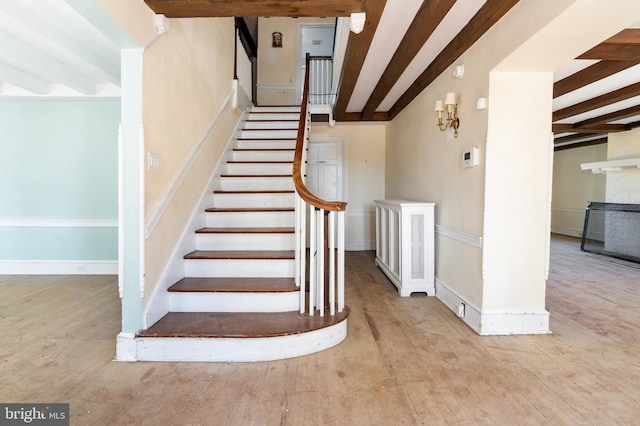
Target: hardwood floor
<point>406,361</point>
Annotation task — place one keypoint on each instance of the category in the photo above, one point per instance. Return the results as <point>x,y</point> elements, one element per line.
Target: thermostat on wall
<point>470,157</point>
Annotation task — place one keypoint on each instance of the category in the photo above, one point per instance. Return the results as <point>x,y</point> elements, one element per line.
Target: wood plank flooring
<point>406,361</point>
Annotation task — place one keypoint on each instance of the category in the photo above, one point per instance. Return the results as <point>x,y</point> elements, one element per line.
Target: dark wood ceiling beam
<point>486,17</point>
<point>613,52</point>
<point>424,23</point>
<point>617,115</point>
<point>623,46</point>
<point>608,128</point>
<point>356,116</point>
<point>633,125</point>
<point>357,48</point>
<point>599,141</point>
<point>590,75</point>
<point>598,102</point>
<point>576,137</point>
<point>239,8</point>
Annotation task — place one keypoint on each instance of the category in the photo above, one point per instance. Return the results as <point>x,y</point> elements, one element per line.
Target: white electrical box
<point>470,157</point>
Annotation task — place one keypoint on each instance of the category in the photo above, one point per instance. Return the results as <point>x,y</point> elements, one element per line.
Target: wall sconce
<point>453,121</point>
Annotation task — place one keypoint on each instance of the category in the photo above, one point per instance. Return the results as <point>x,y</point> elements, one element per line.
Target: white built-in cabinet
<point>405,244</point>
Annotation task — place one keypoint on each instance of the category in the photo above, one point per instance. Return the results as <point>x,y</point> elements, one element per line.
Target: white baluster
<point>320,250</point>
<point>312,259</point>
<point>303,254</point>
<point>341,261</point>
<point>332,264</point>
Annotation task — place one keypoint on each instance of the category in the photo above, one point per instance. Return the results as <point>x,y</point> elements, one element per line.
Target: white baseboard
<point>500,323</point>
<point>58,267</point>
<point>567,231</point>
<point>452,300</point>
<point>494,323</point>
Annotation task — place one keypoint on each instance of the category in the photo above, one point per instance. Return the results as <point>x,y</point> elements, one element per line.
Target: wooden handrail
<point>301,188</point>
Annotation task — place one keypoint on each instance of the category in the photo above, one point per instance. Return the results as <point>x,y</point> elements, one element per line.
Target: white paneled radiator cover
<point>405,244</point>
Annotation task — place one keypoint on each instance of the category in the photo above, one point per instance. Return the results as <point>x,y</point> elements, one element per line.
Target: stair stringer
<point>158,304</point>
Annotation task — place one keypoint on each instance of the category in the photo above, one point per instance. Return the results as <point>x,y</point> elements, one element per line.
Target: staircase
<point>239,300</point>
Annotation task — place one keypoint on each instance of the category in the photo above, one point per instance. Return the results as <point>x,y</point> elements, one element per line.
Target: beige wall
<point>493,262</point>
<point>365,150</point>
<point>573,188</point>
<point>624,186</point>
<point>188,74</point>
<point>624,145</point>
<point>278,67</point>
<point>187,118</point>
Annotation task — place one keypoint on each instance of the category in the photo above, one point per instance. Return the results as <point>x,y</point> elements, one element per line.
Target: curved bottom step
<point>224,337</point>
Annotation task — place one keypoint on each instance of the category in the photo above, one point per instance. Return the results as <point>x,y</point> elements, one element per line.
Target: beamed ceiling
<point>406,45</point>
<point>48,49</point>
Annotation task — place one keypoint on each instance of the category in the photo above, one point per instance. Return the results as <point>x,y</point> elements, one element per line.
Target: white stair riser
<point>239,349</point>
<point>234,302</point>
<point>256,219</point>
<point>268,134</point>
<point>252,268</point>
<point>257,183</point>
<point>245,242</point>
<point>253,200</point>
<point>275,116</point>
<point>262,124</point>
<point>259,169</point>
<point>264,144</point>
<point>262,155</point>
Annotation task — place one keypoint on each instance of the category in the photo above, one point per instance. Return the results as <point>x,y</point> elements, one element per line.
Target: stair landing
<point>239,325</point>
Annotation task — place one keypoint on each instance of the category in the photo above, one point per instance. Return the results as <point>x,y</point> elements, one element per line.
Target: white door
<point>325,177</point>
<point>317,40</point>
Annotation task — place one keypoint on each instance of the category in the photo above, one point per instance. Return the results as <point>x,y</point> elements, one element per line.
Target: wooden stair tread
<point>269,129</point>
<point>248,209</point>
<point>239,324</point>
<point>239,230</point>
<point>258,162</point>
<point>266,140</point>
<point>254,176</point>
<point>272,120</point>
<point>263,149</point>
<point>234,285</point>
<point>241,254</point>
<point>256,191</point>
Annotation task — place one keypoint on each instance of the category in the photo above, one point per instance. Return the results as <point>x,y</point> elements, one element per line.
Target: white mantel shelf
<point>611,165</point>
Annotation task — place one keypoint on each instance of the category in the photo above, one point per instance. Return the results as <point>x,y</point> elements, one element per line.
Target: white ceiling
<point>395,20</point>
<point>48,49</point>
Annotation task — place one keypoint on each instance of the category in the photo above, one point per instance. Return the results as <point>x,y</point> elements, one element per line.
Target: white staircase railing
<point>325,219</point>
